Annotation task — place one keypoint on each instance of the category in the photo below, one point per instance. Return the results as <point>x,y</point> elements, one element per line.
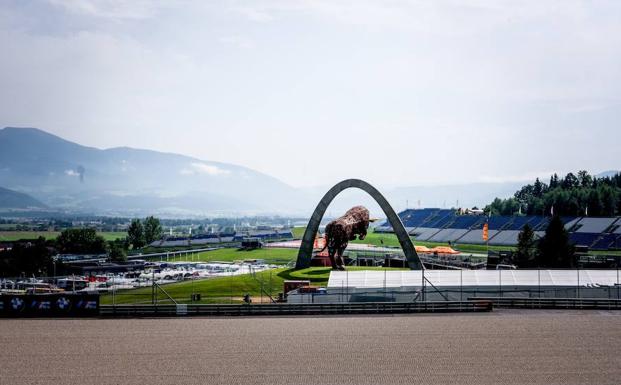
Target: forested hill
<point>10,199</point>
<point>579,194</point>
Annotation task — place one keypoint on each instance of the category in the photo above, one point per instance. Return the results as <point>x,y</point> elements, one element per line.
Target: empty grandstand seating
<point>518,222</point>
<point>448,235</point>
<point>441,219</point>
<point>423,233</point>
<point>422,217</point>
<point>540,223</point>
<point>266,234</point>
<point>204,239</point>
<point>476,236</point>
<point>605,242</point>
<point>506,237</point>
<point>583,239</point>
<point>569,222</point>
<point>594,225</point>
<point>499,222</point>
<point>439,225</point>
<point>467,221</point>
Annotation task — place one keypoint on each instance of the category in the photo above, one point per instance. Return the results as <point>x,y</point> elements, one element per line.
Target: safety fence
<point>554,303</point>
<point>293,309</point>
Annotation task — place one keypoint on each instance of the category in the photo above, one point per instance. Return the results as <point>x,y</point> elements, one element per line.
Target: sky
<point>399,93</point>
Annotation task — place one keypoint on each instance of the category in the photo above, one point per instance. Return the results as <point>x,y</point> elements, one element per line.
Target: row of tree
<point>141,233</point>
<point>36,257</point>
<point>574,195</point>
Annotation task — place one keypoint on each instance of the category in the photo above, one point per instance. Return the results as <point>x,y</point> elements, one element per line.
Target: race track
<point>503,347</point>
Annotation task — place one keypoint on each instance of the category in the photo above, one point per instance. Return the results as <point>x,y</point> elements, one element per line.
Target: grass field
<point>298,232</point>
<point>17,235</point>
<point>270,255</point>
<point>229,289</point>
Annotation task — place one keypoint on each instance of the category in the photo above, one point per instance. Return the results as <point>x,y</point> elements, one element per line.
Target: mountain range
<point>67,176</point>
<point>124,180</point>
<point>15,200</point>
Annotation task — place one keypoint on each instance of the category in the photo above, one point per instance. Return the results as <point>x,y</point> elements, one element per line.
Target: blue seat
<point>583,239</point>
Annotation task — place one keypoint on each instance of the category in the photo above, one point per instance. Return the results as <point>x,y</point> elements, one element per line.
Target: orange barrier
<point>444,250</point>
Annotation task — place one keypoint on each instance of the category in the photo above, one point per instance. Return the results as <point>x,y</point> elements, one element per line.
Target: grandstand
<point>217,238</point>
<point>441,225</point>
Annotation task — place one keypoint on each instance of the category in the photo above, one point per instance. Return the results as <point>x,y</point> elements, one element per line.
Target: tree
<point>584,178</point>
<point>81,241</point>
<point>28,258</point>
<point>525,255</point>
<point>570,196</point>
<point>118,252</point>
<point>538,188</point>
<point>152,229</point>
<point>610,197</point>
<point>553,181</point>
<point>570,181</point>
<point>135,234</point>
<point>554,249</point>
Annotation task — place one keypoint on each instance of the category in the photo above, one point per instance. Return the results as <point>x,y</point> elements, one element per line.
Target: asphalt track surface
<point>503,347</point>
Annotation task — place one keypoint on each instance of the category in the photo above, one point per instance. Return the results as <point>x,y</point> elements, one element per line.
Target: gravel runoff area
<point>503,347</point>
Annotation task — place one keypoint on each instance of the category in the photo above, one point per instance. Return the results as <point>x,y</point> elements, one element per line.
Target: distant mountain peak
<point>27,131</point>
<point>609,173</point>
<point>10,199</point>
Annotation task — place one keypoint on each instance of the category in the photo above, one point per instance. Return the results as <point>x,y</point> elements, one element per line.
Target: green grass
<point>298,232</point>
<point>390,239</point>
<point>228,289</point>
<point>270,255</point>
<point>18,235</point>
<point>112,235</point>
<point>605,252</point>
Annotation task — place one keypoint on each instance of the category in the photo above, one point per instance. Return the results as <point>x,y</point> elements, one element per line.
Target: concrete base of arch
<point>306,248</point>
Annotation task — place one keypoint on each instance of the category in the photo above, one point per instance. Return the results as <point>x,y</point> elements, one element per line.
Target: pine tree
<point>135,234</point>
<point>525,253</point>
<point>555,249</point>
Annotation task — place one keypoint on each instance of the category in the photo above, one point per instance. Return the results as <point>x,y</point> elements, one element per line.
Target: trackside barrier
<point>294,309</point>
<point>554,303</point>
<point>49,305</point>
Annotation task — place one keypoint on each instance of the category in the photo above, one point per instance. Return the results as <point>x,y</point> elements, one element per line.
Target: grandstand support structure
<point>306,248</point>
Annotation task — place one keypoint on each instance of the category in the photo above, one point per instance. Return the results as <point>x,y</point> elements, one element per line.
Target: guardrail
<point>293,309</point>
<point>553,303</point>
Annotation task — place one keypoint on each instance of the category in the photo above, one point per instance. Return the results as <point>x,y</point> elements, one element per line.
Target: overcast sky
<point>311,92</point>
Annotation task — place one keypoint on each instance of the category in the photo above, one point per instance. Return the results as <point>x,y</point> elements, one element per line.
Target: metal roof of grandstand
<point>413,278</point>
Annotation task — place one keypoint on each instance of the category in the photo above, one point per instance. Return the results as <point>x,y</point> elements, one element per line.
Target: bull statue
<point>340,231</point>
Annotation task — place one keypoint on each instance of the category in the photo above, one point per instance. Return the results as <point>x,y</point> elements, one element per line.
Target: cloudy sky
<point>311,92</point>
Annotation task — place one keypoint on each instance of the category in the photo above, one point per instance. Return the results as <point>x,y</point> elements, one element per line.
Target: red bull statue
<point>340,231</point>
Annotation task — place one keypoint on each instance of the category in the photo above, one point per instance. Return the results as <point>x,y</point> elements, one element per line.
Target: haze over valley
<point>61,175</point>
